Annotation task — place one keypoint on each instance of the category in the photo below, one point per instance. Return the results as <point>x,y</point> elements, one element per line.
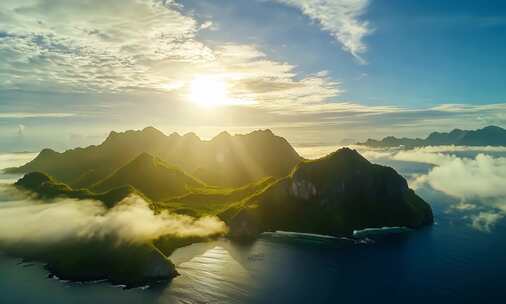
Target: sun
<point>209,91</point>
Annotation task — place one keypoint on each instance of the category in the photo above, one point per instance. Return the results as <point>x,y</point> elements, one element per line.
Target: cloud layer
<point>138,46</point>
<point>482,177</point>
<point>476,181</point>
<point>23,220</point>
<point>103,62</point>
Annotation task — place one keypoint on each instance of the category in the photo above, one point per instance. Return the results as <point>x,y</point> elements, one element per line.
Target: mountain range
<point>254,183</point>
<point>225,160</point>
<point>488,136</point>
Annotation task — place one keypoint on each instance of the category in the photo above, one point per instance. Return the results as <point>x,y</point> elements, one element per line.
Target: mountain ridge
<point>333,195</point>
<point>487,136</point>
<point>152,176</point>
<point>232,160</point>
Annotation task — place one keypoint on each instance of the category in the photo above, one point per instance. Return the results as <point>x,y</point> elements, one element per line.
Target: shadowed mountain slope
<point>225,160</point>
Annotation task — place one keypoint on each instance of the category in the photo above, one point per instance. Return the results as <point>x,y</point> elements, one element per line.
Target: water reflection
<point>211,277</point>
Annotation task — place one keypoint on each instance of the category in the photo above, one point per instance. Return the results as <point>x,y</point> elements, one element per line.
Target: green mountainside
<point>334,195</point>
<point>225,160</point>
<point>46,187</point>
<point>152,176</point>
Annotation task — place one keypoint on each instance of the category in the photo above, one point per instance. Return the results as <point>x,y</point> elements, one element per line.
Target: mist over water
<point>446,263</point>
<point>25,219</point>
<point>31,221</point>
<point>470,179</point>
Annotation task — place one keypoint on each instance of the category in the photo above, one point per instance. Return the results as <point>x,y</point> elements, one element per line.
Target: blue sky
<point>315,71</point>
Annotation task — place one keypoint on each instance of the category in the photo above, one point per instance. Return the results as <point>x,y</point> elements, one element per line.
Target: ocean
<point>460,259</point>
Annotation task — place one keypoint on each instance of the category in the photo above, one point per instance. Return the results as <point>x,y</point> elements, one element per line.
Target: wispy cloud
<point>341,18</point>
<point>35,115</point>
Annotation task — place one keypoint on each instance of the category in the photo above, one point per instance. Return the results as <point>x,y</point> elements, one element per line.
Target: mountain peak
<point>191,136</point>
<point>144,157</point>
<point>222,136</point>
<point>112,135</point>
<point>493,128</point>
<point>216,163</point>
<point>151,130</point>
<point>346,153</point>
<point>264,132</point>
<point>47,153</point>
<point>33,180</point>
<point>151,176</point>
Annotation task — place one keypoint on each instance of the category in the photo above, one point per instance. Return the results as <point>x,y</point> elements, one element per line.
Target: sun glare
<point>209,91</point>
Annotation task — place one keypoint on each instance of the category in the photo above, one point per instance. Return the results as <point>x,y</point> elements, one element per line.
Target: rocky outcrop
<point>334,195</point>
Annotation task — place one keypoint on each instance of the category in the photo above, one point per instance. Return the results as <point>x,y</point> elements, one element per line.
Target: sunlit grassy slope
<point>213,200</point>
<point>332,195</point>
<point>45,187</point>
<point>153,177</point>
<point>224,161</point>
<point>151,180</point>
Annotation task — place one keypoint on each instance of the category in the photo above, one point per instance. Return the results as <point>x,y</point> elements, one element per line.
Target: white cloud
<point>446,149</point>
<point>118,46</point>
<point>433,155</point>
<point>470,108</point>
<point>131,221</point>
<point>475,184</point>
<point>268,84</point>
<point>8,160</point>
<point>341,18</point>
<point>485,221</point>
<point>482,177</point>
<point>139,46</point>
<point>93,45</point>
<point>467,178</point>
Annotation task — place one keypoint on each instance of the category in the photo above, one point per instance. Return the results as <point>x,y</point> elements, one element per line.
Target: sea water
<point>449,262</point>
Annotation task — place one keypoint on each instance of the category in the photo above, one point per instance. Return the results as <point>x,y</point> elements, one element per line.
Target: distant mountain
<point>225,160</point>
<point>152,176</point>
<point>488,136</point>
<point>334,195</point>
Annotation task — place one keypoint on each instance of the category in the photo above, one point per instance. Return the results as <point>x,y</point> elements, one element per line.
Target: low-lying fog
<point>474,177</point>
